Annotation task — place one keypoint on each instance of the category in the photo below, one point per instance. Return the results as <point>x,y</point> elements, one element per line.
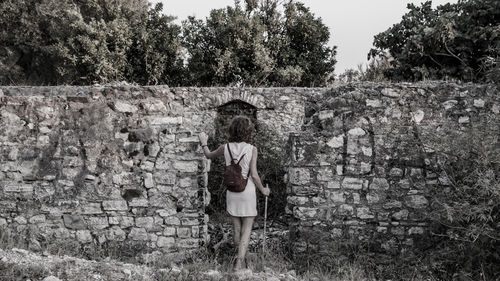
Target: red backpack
<point>233,179</point>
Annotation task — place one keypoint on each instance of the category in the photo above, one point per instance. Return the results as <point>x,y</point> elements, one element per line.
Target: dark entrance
<point>270,162</point>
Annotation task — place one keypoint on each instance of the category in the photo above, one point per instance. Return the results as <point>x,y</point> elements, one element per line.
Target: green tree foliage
<point>457,41</point>
<point>258,45</point>
<point>51,42</point>
<point>154,56</point>
<point>81,42</point>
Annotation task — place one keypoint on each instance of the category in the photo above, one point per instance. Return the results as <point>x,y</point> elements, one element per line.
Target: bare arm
<point>210,154</point>
<point>255,175</point>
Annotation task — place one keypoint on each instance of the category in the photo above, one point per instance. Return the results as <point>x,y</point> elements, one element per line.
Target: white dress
<point>241,204</point>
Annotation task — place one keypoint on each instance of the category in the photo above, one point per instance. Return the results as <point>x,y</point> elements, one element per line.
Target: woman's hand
<point>203,138</point>
<point>266,191</point>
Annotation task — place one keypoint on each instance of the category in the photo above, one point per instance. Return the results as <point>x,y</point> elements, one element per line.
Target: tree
<point>154,56</point>
<point>53,42</point>
<point>258,46</point>
<point>458,41</point>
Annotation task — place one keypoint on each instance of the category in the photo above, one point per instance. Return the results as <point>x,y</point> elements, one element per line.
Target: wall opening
<point>270,162</point>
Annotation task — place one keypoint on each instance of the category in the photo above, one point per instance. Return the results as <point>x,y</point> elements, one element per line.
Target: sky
<point>352,23</point>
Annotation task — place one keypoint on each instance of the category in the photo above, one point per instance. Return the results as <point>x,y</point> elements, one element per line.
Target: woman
<point>241,206</point>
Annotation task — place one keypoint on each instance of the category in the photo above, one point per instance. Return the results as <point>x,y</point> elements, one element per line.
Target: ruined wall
<point>101,165</point>
<point>368,159</point>
<point>122,163</point>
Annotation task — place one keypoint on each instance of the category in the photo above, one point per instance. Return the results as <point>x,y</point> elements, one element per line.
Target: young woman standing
<point>241,206</point>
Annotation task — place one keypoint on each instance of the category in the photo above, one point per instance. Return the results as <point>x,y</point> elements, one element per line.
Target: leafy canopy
<point>264,43</point>
<point>458,41</point>
<point>261,44</point>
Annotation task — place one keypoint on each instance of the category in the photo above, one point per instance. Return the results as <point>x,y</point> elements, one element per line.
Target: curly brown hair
<point>241,129</point>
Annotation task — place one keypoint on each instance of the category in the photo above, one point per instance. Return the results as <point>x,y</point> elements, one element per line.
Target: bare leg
<point>246,230</point>
<point>236,230</point>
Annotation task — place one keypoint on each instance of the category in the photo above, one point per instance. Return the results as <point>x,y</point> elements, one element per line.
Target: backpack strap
<point>231,155</point>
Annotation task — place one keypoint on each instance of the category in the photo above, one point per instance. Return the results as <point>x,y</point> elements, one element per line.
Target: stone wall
<point>122,163</point>
<point>368,159</point>
<point>115,164</point>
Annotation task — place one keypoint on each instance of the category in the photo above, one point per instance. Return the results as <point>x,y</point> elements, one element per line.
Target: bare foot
<point>240,264</point>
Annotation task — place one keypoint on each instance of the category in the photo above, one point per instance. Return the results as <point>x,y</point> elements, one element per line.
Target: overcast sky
<point>352,23</point>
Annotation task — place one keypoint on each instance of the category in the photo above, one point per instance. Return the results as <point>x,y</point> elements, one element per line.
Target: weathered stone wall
<point>122,163</point>
<point>116,163</point>
<point>366,163</point>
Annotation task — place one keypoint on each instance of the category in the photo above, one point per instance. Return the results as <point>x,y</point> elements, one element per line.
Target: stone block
<point>364,213</point>
<point>304,213</point>
<point>74,222</point>
<point>125,107</point>
<point>352,183</point>
<point>389,92</point>
<point>195,231</point>
<point>306,190</point>
<point>189,243</point>
<point>148,180</point>
<point>122,221</point>
<point>416,201</point>
<point>356,197</point>
<point>372,197</point>
<point>17,187</point>
<point>367,151</point>
<point>172,221</point>
<point>84,236</point>
<point>336,232</point>
<point>373,103</point>
<point>325,174</point>
<point>193,139</point>
<point>337,197</point>
<point>20,220</point>
<point>336,142</point>
<point>392,204</point>
<point>299,176</point>
<point>356,132</point>
<point>97,223</point>
<point>138,202</point>
<point>334,184</point>
<point>186,182</point>
<point>138,234</point>
<point>115,205</point>
<point>189,221</point>
<point>379,184</point>
<point>346,210</point>
<point>144,222</point>
<point>164,120</point>
<point>326,114</point>
<point>115,233</point>
<point>396,172</point>
<point>416,230</point>
<point>165,242</point>
<point>37,219</point>
<point>154,105</point>
<point>400,215</point>
<point>184,232</point>
<point>91,209</point>
<point>165,178</point>
<point>479,103</point>
<point>169,231</point>
<point>297,200</point>
<point>186,166</point>
<point>166,212</point>
<point>399,231</point>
